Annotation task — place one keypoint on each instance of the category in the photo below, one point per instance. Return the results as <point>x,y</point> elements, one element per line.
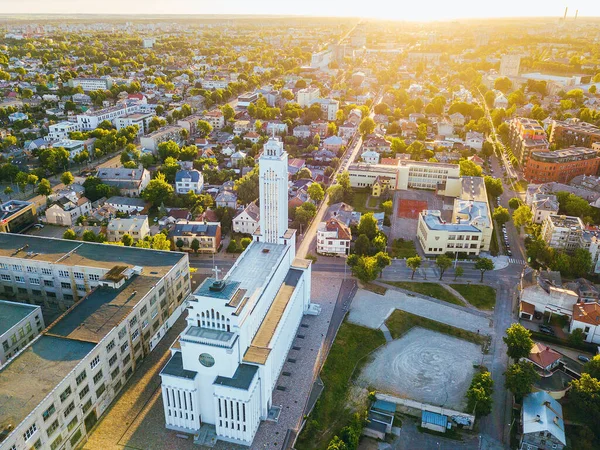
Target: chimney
<point>538,418</point>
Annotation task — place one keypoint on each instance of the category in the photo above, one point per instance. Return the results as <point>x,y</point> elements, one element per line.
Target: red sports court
<point>410,209</point>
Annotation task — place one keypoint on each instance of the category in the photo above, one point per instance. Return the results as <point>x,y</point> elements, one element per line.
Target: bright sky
<point>413,10</point>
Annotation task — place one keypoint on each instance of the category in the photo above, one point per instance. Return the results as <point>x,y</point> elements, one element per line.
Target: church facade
<point>240,327</point>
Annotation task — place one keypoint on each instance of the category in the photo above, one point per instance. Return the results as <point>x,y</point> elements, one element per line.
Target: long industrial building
<point>121,302</point>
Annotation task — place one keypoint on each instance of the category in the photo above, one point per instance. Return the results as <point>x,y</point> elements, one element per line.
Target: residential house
<point>376,144</point>
<point>501,101</point>
<point>215,118</point>
<point>252,136</point>
<point>542,206</point>
<point>278,128</point>
<point>355,116</point>
<point>370,157</point>
<point>474,140</point>
<point>136,226</point>
<point>302,132</point>
<point>294,165</point>
<point>544,358</point>
<point>241,126</point>
<point>542,292</point>
<point>586,317</point>
<point>333,238</point>
<point>189,180</point>
<point>542,423</point>
<point>130,182</point>
<point>66,210</point>
<point>127,205</point>
<point>380,184</point>
<point>318,127</point>
<point>346,131</point>
<point>333,143</point>
<point>247,221</point>
<point>238,159</point>
<point>208,235</point>
<point>445,128</point>
<point>226,199</point>
<point>457,119</point>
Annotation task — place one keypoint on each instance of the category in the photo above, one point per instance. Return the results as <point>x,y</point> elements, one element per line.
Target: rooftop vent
<point>266,250</point>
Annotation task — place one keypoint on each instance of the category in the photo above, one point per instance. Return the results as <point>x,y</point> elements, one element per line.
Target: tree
<point>366,268</point>
<point>518,341</point>
<point>413,263</point>
<point>367,126</point>
<point>387,207</point>
<point>158,190</point>
<point>8,191</point>
<point>520,378</point>
<point>247,187</point>
<point>90,236</point>
<point>522,216</point>
<point>362,245</point>
<point>179,244</point>
<point>168,149</point>
<point>70,235</point>
<point>479,394</point>
<point>127,240</point>
<point>469,169</point>
<point>501,215</point>
<point>458,272</point>
<point>483,265</point>
<point>195,245</point>
<point>581,262</point>
<point>304,174</point>
<point>245,242</point>
<point>44,188</point>
<point>316,192</point>
<point>228,112</point>
<point>336,194</point>
<point>592,89</point>
<point>585,393</point>
<point>514,203</point>
<point>443,263</point>
<point>577,337</point>
<point>21,180</point>
<point>593,367</point>
<point>232,247</point>
<point>67,178</point>
<point>368,226</point>
<point>493,186</point>
<point>32,180</point>
<point>204,128</point>
<point>503,84</point>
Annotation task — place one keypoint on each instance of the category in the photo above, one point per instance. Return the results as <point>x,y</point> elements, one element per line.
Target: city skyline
<point>435,10</point>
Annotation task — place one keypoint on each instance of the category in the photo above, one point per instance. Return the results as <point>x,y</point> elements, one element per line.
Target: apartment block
<point>61,130</point>
<point>561,165</point>
<point>168,133</point>
<point>137,227</point>
<point>573,132</point>
<point>306,96</point>
<point>91,119</point>
<point>526,136</point>
<point>563,232</point>
<point>128,298</point>
<point>20,323</point>
<point>91,84</point>
<point>130,182</point>
<point>141,120</point>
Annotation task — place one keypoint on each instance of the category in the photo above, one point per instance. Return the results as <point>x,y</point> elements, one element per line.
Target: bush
<point>232,247</point>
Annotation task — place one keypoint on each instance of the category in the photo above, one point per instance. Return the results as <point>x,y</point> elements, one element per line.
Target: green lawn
<point>330,414</point>
<point>400,322</point>
<point>430,289</point>
<point>373,202</point>
<point>359,202</point>
<point>375,288</point>
<point>403,249</point>
<point>478,295</point>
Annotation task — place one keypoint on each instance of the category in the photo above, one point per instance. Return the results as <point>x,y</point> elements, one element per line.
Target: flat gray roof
<point>175,368</point>
<point>434,222</point>
<point>209,333</point>
<point>102,310</point>
<point>11,313</point>
<point>241,379</point>
<point>76,253</point>
<point>28,379</point>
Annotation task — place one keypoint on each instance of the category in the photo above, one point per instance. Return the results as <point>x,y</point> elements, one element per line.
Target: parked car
<point>546,329</point>
<point>508,252</point>
<point>583,358</point>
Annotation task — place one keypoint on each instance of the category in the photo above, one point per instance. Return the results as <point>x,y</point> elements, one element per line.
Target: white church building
<point>225,364</point>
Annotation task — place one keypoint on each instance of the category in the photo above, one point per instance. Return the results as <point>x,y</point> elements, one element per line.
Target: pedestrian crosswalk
<point>516,261</point>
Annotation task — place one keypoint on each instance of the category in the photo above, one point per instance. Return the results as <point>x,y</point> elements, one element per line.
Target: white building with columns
<point>241,326</point>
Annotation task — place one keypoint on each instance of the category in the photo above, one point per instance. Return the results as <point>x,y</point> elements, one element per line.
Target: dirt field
<point>407,206</point>
<point>425,366</point>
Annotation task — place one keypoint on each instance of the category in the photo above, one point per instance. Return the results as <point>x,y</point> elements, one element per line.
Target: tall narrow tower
<point>273,171</point>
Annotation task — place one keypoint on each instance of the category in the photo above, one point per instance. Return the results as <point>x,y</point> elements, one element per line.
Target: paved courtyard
<point>371,310</point>
<point>406,228</point>
<point>425,366</point>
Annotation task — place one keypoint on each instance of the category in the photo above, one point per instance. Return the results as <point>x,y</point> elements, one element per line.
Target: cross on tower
<point>216,270</point>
